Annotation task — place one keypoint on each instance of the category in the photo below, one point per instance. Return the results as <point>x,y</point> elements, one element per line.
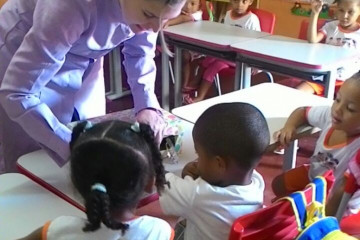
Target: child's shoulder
<point>331,25</point>
<point>147,227</point>
<point>253,17</point>
<point>197,16</point>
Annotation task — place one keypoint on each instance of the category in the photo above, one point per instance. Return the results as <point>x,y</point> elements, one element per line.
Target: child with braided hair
<point>112,164</point>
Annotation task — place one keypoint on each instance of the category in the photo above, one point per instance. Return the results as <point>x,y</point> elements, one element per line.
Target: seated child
<point>230,139</point>
<point>238,16</point>
<point>344,32</point>
<point>190,12</point>
<point>337,143</point>
<point>112,163</point>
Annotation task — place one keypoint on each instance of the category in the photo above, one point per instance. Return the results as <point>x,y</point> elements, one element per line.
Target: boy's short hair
<point>235,131</point>
<point>356,76</point>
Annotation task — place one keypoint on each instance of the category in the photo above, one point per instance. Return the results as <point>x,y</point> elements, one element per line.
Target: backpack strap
<point>298,204</point>
<point>304,214</point>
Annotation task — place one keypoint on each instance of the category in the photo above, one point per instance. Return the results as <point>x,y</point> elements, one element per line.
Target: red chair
<point>277,221</point>
<point>267,20</point>
<point>304,27</point>
<point>267,24</point>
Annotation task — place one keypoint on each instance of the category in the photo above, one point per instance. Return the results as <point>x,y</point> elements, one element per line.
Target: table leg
<point>330,79</point>
<point>238,81</point>
<point>290,156</point>
<point>246,73</point>
<point>165,89</point>
<point>178,76</point>
<point>116,87</point>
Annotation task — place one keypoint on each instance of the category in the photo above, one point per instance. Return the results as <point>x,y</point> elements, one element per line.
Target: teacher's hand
<point>155,120</point>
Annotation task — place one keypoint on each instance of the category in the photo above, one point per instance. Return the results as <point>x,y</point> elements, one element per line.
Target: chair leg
<point>171,72</point>
<point>217,84</point>
<point>270,76</point>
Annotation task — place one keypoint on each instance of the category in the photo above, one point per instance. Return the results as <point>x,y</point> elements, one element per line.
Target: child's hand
<point>316,6</point>
<point>191,170</point>
<point>285,135</point>
<point>185,13</point>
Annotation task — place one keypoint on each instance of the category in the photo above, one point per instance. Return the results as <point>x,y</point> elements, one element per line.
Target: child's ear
<point>149,187</point>
<point>222,164</point>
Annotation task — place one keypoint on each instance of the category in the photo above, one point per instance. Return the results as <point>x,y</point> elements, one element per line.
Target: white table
<point>293,57</point>
<point>26,206</point>
<point>275,101</point>
<point>210,38</point>
<point>41,168</point>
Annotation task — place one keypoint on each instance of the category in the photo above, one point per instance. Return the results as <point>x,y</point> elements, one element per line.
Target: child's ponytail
<point>159,169</point>
<point>98,211</point>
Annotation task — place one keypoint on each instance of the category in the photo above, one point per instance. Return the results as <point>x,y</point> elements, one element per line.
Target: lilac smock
<point>50,64</point>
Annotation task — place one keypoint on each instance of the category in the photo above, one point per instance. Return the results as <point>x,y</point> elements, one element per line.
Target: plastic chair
<point>267,24</point>
<point>267,20</point>
<point>304,27</point>
<point>277,221</point>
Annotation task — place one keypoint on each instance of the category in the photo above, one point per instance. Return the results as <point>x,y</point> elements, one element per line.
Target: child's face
<point>191,6</point>
<point>240,6</point>
<point>207,165</point>
<point>345,110</point>
<point>347,13</point>
<point>144,15</point>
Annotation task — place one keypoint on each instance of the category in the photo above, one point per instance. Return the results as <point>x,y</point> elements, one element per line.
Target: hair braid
<point>107,219</point>
<point>159,169</point>
<point>98,210</point>
<point>93,208</point>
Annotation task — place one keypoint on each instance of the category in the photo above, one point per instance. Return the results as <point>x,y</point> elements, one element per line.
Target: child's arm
<point>296,119</point>
<point>313,35</point>
<point>191,170</point>
<point>179,19</point>
<point>334,200</point>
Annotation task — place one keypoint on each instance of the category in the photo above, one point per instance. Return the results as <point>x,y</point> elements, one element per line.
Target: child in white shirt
<point>112,163</point>
<point>222,185</point>
<point>344,32</point>
<point>337,144</point>
<point>239,16</point>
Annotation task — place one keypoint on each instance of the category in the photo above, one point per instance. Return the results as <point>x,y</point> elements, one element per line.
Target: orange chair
<point>277,221</point>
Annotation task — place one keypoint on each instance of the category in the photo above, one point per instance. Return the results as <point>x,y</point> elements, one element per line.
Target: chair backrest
<point>278,221</point>
<point>267,20</point>
<point>304,26</point>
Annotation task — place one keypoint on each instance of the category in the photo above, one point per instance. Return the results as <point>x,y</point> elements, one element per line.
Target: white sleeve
<point>353,206</point>
<point>63,226</point>
<point>319,116</point>
<point>227,18</point>
<point>254,23</point>
<point>178,199</point>
<point>197,16</point>
<point>328,28</point>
